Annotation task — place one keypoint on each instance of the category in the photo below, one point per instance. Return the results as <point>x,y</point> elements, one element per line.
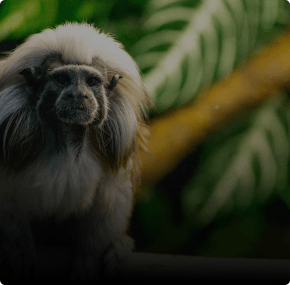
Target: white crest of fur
<point>78,43</point>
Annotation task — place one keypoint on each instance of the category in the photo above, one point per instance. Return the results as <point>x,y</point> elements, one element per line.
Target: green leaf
<point>187,47</point>
<point>25,17</point>
<point>242,169</point>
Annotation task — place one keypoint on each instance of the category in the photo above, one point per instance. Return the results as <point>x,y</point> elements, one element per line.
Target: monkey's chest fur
<point>61,185</point>
<point>64,184</point>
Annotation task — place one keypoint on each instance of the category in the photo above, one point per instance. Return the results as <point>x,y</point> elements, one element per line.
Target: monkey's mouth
<point>76,113</point>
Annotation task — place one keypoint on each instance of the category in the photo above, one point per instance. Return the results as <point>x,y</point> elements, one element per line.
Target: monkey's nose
<point>76,96</point>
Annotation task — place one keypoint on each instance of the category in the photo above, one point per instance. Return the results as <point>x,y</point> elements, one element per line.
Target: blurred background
<point>230,196</point>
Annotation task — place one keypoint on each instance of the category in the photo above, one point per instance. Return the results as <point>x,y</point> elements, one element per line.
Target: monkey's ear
<point>114,81</point>
<point>32,75</point>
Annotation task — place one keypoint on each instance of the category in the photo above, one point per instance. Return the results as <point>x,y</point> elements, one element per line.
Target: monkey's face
<point>83,97</point>
<point>73,94</point>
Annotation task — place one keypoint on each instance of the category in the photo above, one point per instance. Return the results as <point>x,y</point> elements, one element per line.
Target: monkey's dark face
<point>77,102</point>
<point>73,94</point>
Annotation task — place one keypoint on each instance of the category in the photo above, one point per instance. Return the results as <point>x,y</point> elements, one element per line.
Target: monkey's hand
<point>17,250</point>
<point>117,254</point>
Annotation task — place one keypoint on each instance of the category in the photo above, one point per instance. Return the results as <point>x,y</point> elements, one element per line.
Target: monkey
<point>73,117</point>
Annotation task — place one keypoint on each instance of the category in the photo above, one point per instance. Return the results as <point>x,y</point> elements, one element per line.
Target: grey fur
<point>69,146</point>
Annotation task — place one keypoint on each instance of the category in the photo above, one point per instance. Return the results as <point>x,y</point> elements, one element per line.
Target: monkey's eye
<point>92,81</point>
<point>61,80</point>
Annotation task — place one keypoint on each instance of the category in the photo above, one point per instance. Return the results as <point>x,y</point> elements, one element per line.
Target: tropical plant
<point>187,46</point>
<point>21,18</point>
<point>183,47</point>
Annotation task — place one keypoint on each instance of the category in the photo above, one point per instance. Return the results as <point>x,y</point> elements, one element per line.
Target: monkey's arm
<point>179,132</point>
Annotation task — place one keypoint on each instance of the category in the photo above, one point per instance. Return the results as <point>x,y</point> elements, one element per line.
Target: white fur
<point>74,41</point>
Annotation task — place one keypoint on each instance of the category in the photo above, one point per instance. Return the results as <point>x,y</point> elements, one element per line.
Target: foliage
<point>188,44</point>
<point>20,18</point>
<point>185,49</point>
<point>241,168</point>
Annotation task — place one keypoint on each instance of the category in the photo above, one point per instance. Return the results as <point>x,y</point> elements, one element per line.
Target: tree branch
<point>144,268</point>
<point>176,134</point>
